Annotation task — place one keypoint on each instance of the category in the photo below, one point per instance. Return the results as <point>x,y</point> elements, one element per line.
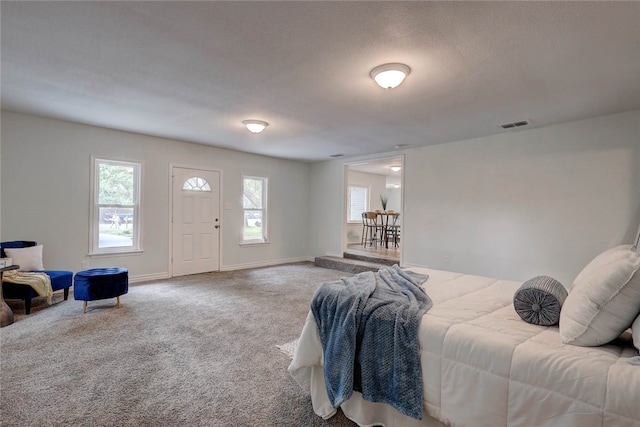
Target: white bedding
<point>484,366</point>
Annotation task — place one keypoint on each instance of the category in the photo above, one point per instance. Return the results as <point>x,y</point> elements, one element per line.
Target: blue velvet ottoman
<point>100,283</point>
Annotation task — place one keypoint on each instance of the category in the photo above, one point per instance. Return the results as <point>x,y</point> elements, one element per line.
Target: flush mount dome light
<point>255,126</point>
<point>395,168</point>
<point>389,76</point>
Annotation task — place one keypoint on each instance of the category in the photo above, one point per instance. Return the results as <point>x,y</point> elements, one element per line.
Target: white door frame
<point>204,168</point>
<point>345,189</point>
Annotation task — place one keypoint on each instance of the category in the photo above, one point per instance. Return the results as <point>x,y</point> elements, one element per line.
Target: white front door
<point>196,221</point>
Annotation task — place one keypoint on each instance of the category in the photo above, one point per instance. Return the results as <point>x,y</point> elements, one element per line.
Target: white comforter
<point>484,366</point>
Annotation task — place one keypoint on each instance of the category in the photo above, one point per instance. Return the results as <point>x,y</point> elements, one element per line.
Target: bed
<point>482,365</point>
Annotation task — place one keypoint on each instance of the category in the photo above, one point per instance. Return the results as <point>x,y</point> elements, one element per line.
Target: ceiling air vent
<point>515,124</point>
<point>336,155</point>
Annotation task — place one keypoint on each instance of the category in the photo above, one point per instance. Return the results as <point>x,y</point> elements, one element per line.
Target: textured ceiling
<point>194,70</point>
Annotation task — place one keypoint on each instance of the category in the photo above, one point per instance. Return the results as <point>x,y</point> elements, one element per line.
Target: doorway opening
<point>374,186</point>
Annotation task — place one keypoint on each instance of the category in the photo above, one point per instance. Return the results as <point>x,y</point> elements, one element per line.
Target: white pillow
<point>28,259</point>
<point>604,299</point>
<point>635,331</point>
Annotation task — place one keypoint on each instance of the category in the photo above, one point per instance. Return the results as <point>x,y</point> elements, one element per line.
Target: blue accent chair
<point>59,279</point>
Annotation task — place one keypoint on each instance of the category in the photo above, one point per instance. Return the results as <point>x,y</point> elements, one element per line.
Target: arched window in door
<point>196,184</point>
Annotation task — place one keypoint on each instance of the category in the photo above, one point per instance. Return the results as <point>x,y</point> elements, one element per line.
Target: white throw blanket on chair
<point>40,282</point>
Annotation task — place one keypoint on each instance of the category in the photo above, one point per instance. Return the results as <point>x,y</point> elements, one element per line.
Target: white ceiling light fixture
<point>389,76</point>
<point>395,168</point>
<point>255,126</point>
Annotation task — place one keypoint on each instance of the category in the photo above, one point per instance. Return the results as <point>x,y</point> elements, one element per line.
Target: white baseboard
<point>148,277</point>
<point>265,263</point>
<point>244,266</point>
<point>338,255</point>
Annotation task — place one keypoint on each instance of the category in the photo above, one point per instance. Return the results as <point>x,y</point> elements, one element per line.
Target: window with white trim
<point>254,204</point>
<point>357,202</point>
<point>115,213</point>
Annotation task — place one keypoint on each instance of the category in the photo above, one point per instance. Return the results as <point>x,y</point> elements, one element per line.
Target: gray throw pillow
<point>538,300</point>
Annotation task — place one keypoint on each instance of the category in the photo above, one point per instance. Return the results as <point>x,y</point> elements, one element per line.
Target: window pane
<point>116,227</point>
<point>196,184</point>
<point>252,225</point>
<point>116,184</point>
<point>252,193</point>
<point>254,203</point>
<point>115,212</point>
<point>357,203</point>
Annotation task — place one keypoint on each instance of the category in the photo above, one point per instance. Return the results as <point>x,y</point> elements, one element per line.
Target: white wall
<point>395,199</point>
<point>327,208</point>
<point>45,194</point>
<point>517,204</point>
<point>1,239</point>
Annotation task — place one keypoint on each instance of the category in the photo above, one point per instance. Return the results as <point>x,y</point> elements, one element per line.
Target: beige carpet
<point>194,351</point>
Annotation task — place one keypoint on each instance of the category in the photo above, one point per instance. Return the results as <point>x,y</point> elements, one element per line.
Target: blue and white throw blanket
<point>368,327</point>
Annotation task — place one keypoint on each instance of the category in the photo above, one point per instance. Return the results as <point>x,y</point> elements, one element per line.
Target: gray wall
<point>513,205</point>
<point>45,194</point>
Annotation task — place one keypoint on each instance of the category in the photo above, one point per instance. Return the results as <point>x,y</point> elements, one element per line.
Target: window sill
<point>264,243</point>
<point>114,254</point>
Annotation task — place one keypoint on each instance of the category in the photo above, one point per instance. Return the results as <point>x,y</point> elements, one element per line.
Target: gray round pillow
<point>538,300</point>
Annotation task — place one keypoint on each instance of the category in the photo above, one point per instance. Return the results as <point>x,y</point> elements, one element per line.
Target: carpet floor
<point>197,350</point>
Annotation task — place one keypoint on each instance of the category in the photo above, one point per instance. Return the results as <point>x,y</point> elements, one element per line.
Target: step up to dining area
<point>354,263</point>
<point>347,265</point>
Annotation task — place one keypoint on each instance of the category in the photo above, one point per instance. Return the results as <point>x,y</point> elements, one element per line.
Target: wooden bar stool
<point>370,229</point>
